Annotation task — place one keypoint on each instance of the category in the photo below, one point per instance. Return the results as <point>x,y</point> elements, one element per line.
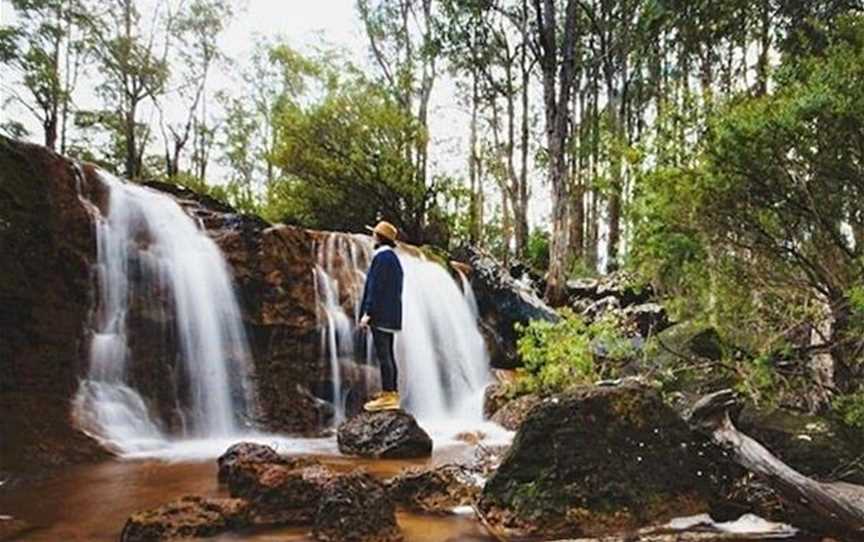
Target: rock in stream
<point>392,434</point>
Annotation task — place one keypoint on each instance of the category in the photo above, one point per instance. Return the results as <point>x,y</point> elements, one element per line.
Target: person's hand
<point>364,322</point>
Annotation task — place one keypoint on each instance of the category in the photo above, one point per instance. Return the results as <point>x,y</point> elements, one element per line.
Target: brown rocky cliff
<point>47,246</point>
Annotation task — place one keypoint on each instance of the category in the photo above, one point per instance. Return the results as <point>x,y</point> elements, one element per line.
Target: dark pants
<point>384,352</point>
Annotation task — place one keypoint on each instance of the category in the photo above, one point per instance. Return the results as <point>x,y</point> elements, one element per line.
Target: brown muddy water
<point>91,503</point>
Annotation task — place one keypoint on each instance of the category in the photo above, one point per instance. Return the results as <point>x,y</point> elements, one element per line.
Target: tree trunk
<point>521,217</point>
<point>557,133</point>
<point>473,167</point>
<point>765,49</point>
<point>839,505</point>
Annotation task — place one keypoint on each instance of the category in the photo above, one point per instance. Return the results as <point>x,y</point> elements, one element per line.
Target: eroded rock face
<point>436,490</point>
<point>187,517</point>
<point>392,434</point>
<point>602,460</point>
<point>356,508</point>
<point>503,302</point>
<point>47,245</point>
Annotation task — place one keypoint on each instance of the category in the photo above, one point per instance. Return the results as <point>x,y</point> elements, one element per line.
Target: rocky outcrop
<point>356,508</point>
<point>187,517</point>
<point>602,460</point>
<point>436,490</point>
<point>616,293</point>
<point>392,434</point>
<point>503,302</point>
<point>48,245</point>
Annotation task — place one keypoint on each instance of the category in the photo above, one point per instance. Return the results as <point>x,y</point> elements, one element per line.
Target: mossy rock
<point>601,460</point>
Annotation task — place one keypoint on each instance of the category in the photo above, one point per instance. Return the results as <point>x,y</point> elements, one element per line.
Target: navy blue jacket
<point>382,293</point>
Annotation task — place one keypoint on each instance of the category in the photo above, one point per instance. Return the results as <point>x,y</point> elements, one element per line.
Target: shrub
<point>569,352</point>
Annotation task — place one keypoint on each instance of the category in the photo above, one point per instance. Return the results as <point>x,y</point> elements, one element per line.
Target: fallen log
<point>839,504</point>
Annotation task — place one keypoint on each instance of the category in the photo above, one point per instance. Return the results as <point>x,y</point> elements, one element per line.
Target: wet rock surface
<point>392,434</point>
<point>503,302</point>
<point>187,517</point>
<point>436,490</point>
<point>242,456</point>
<point>280,494</point>
<point>48,246</point>
<point>494,397</point>
<point>231,462</point>
<point>11,528</point>
<point>513,413</point>
<point>356,508</point>
<point>602,460</point>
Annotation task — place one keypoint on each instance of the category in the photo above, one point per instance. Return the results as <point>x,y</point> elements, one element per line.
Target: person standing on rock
<point>381,311</point>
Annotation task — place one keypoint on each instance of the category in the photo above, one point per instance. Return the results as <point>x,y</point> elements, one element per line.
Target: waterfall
<point>152,253</point>
<point>442,358</point>
<point>468,292</point>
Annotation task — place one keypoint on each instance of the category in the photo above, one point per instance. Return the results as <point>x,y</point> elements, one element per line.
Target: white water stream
<point>146,233</point>
<point>442,359</point>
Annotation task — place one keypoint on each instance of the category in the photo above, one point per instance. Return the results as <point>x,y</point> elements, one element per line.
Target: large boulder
<point>392,434</point>
<point>356,508</point>
<point>280,494</point>
<point>231,462</point>
<point>436,490</point>
<point>601,460</point>
<point>503,302</point>
<point>187,517</point>
<point>239,457</point>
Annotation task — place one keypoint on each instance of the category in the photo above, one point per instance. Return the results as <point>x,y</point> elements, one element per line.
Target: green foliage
<point>763,226</point>
<point>569,352</point>
<point>850,409</point>
<point>537,249</point>
<point>346,162</point>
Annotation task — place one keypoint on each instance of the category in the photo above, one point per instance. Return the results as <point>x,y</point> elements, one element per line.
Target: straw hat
<point>385,230</point>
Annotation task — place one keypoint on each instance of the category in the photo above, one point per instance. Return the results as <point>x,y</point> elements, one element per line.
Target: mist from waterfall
<point>442,358</point>
<point>177,269</point>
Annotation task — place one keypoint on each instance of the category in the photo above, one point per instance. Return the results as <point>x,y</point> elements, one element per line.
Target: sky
<point>305,24</point>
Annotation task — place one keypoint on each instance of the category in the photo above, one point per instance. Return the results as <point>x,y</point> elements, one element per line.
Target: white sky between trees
<point>304,24</point>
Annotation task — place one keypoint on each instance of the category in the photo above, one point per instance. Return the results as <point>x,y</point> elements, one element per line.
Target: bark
<point>765,49</point>
<point>521,216</point>
<point>557,76</point>
<point>840,504</point>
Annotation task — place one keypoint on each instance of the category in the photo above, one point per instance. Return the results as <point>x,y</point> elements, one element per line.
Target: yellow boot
<point>386,400</point>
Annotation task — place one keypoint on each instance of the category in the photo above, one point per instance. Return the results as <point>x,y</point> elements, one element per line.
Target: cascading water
<point>442,359</point>
<point>337,328</point>
<point>177,268</point>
